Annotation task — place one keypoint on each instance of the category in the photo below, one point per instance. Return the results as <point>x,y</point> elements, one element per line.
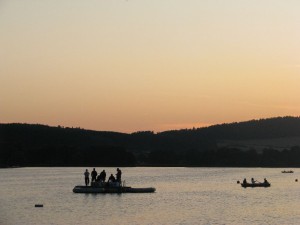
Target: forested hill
<point>255,129</point>
<point>41,145</point>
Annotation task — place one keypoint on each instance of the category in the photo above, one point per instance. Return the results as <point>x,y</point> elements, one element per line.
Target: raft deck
<point>91,189</point>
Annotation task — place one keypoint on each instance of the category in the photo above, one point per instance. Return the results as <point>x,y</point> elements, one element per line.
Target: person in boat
<point>265,181</point>
<point>102,176</point>
<point>244,181</point>
<point>118,175</point>
<point>94,175</point>
<point>86,177</point>
<point>253,181</point>
<point>111,178</point>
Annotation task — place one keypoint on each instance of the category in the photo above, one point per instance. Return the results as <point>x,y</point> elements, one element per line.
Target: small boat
<point>244,185</point>
<point>288,171</point>
<point>111,188</point>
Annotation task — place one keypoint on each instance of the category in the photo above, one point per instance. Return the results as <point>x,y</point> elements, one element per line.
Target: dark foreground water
<point>183,196</point>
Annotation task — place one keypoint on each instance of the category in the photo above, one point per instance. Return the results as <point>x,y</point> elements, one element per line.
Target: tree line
<point>227,157</point>
<point>41,145</point>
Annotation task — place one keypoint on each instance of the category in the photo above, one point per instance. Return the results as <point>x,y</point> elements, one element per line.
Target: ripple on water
<point>183,196</point>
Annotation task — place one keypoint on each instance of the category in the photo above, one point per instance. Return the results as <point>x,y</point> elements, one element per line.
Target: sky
<point>135,65</point>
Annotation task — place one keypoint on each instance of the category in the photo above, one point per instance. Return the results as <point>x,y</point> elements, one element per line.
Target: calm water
<point>183,196</point>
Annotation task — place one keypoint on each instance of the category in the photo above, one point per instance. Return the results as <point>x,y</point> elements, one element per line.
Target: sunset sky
<point>155,65</point>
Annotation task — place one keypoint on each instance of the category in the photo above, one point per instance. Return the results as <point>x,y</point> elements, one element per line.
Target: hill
<point>232,144</point>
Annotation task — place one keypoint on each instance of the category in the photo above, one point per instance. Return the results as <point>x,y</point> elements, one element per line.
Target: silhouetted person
<point>98,178</point>
<point>86,177</point>
<point>244,181</point>
<point>118,175</point>
<point>111,178</point>
<point>103,175</point>
<point>252,181</point>
<point>94,175</point>
<point>265,181</point>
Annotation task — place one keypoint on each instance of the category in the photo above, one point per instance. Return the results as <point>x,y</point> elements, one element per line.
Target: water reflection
<point>183,196</point>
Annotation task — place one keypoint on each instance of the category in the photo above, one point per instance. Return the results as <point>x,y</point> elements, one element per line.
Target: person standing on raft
<point>118,175</point>
<point>94,175</point>
<point>86,177</point>
<point>103,176</point>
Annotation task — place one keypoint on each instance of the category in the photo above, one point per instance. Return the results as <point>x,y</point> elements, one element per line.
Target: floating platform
<point>103,190</point>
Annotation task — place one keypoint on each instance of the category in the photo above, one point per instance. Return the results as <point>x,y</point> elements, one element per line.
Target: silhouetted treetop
<point>40,145</point>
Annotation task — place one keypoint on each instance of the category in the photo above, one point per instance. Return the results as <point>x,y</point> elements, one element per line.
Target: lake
<point>183,196</point>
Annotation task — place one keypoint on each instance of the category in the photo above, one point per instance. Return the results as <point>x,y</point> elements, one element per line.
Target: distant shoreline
<point>267,143</point>
<point>185,166</point>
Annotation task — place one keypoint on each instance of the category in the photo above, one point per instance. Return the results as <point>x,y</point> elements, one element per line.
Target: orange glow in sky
<point>148,65</point>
